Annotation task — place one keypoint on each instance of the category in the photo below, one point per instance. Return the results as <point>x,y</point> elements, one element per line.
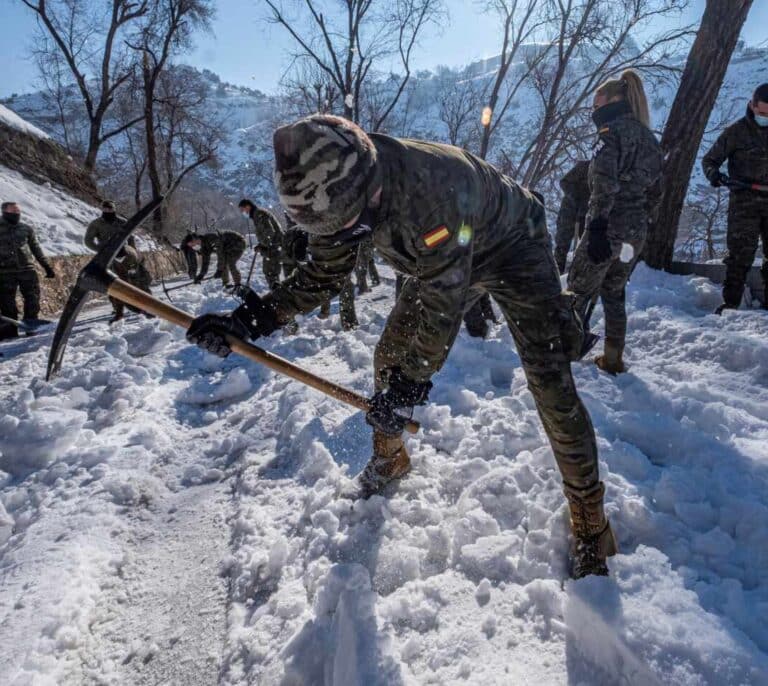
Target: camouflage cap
<point>324,168</point>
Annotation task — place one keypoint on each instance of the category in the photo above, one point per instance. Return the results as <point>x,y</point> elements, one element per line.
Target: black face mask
<point>360,230</point>
<point>12,218</point>
<point>108,217</point>
<point>613,110</point>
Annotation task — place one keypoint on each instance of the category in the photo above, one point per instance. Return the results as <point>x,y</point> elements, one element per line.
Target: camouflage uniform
<point>19,250</point>
<point>459,228</point>
<point>295,251</point>
<point>366,265</point>
<point>128,265</point>
<point>229,247</point>
<point>623,182</point>
<point>745,146</point>
<point>270,238</point>
<point>573,211</point>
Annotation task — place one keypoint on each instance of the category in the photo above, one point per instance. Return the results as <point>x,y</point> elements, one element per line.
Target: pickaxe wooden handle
<point>137,298</point>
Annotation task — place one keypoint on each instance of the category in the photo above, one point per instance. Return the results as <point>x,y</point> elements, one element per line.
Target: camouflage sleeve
<point>605,175</point>
<point>717,154</point>
<point>443,286</point>
<point>89,240</point>
<point>567,219</point>
<point>653,201</point>
<point>331,260</point>
<point>37,251</point>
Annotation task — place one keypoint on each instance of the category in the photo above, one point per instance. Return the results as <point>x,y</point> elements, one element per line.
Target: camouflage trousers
<point>271,265</point>
<point>366,266</point>
<point>28,283</point>
<point>608,281</point>
<point>228,267</point>
<point>527,289</point>
<point>747,224</point>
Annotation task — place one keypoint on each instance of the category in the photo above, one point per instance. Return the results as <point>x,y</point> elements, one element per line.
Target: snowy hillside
<point>58,218</point>
<point>13,120</point>
<point>169,517</point>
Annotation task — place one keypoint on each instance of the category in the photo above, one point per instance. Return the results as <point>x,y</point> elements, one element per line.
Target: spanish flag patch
<point>437,236</point>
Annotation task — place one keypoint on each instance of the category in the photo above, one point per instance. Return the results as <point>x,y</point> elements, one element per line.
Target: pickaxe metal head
<point>94,277</point>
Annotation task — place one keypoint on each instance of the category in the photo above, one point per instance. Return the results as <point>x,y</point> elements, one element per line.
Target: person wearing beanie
<point>19,250</point>
<point>456,227</point>
<point>128,265</point>
<point>744,145</point>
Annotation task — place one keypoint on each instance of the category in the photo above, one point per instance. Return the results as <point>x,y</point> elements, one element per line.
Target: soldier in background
<point>128,264</point>
<point>269,237</point>
<point>745,146</point>
<point>228,246</point>
<point>571,219</point>
<point>366,265</point>
<point>19,250</point>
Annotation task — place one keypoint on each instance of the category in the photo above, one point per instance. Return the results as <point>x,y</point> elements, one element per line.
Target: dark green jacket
<point>99,231</point>
<point>446,218</point>
<point>19,248</point>
<point>268,231</point>
<point>624,178</point>
<point>745,146</point>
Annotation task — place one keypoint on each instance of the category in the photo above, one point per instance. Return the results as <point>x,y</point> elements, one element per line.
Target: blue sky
<point>246,50</point>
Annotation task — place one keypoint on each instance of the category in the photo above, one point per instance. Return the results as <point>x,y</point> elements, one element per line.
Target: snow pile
<point>58,218</point>
<point>184,520</point>
<point>10,118</point>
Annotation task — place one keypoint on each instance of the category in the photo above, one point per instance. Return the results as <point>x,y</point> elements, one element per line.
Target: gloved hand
<point>718,179</point>
<point>391,409</point>
<point>49,273</point>
<point>598,244</point>
<point>198,279</point>
<point>209,332</point>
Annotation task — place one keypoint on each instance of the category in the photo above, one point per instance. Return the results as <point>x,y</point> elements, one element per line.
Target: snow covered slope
<point>58,218</point>
<point>169,517</point>
<point>13,120</point>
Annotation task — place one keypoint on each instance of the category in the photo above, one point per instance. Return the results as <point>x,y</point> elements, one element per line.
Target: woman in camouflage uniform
<point>457,228</point>
<point>623,182</point>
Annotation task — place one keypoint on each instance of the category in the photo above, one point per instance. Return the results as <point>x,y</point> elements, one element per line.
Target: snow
<point>170,517</point>
<point>58,218</point>
<point>10,118</point>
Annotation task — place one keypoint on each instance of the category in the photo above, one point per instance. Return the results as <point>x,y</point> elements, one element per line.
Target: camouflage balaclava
<point>325,172</point>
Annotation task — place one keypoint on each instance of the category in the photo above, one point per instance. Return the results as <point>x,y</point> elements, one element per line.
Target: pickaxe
<point>168,290</point>
<point>96,277</point>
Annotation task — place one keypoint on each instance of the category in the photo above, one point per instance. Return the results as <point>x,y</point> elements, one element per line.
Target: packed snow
<point>10,118</point>
<point>170,517</point>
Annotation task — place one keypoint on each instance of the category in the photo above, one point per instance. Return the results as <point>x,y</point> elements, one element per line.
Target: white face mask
<point>761,120</point>
<point>196,248</point>
<point>246,213</point>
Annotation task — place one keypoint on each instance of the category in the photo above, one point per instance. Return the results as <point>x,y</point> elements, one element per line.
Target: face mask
<point>108,216</point>
<point>12,218</point>
<point>761,120</point>
<point>196,248</point>
<point>246,213</point>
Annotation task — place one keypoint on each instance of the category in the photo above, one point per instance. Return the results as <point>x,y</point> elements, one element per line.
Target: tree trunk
<point>700,84</point>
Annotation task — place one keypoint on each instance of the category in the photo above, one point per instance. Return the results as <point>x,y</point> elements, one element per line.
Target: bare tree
<point>702,225</point>
<point>590,41</point>
<point>347,39</point>
<point>460,98</point>
<point>701,81</point>
<point>519,21</point>
<point>309,89</point>
<point>90,46</point>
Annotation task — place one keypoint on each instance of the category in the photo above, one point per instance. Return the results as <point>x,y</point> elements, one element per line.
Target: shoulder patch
<point>437,236</point>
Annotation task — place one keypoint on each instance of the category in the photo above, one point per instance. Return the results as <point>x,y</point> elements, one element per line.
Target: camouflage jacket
<point>19,248</point>
<point>225,244</point>
<point>573,209</point>
<point>446,218</point>
<point>99,231</point>
<point>745,146</point>
<point>624,176</point>
<point>268,231</point>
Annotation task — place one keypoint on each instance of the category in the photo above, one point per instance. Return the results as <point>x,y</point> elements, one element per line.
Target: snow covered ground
<point>10,118</point>
<point>172,518</point>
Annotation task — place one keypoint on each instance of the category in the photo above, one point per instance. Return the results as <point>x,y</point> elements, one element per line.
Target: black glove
<point>718,179</point>
<point>598,245</point>
<point>198,279</point>
<point>49,273</point>
<point>258,316</point>
<point>209,332</point>
<point>391,409</point>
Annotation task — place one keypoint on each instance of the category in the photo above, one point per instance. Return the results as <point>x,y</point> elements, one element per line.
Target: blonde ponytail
<point>629,86</point>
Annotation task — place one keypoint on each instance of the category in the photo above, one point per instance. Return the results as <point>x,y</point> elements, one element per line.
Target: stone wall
<point>44,161</point>
<point>55,292</point>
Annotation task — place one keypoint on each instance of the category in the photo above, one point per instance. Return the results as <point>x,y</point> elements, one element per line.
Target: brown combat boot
<point>593,539</point>
<point>390,461</point>
<point>612,359</point>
